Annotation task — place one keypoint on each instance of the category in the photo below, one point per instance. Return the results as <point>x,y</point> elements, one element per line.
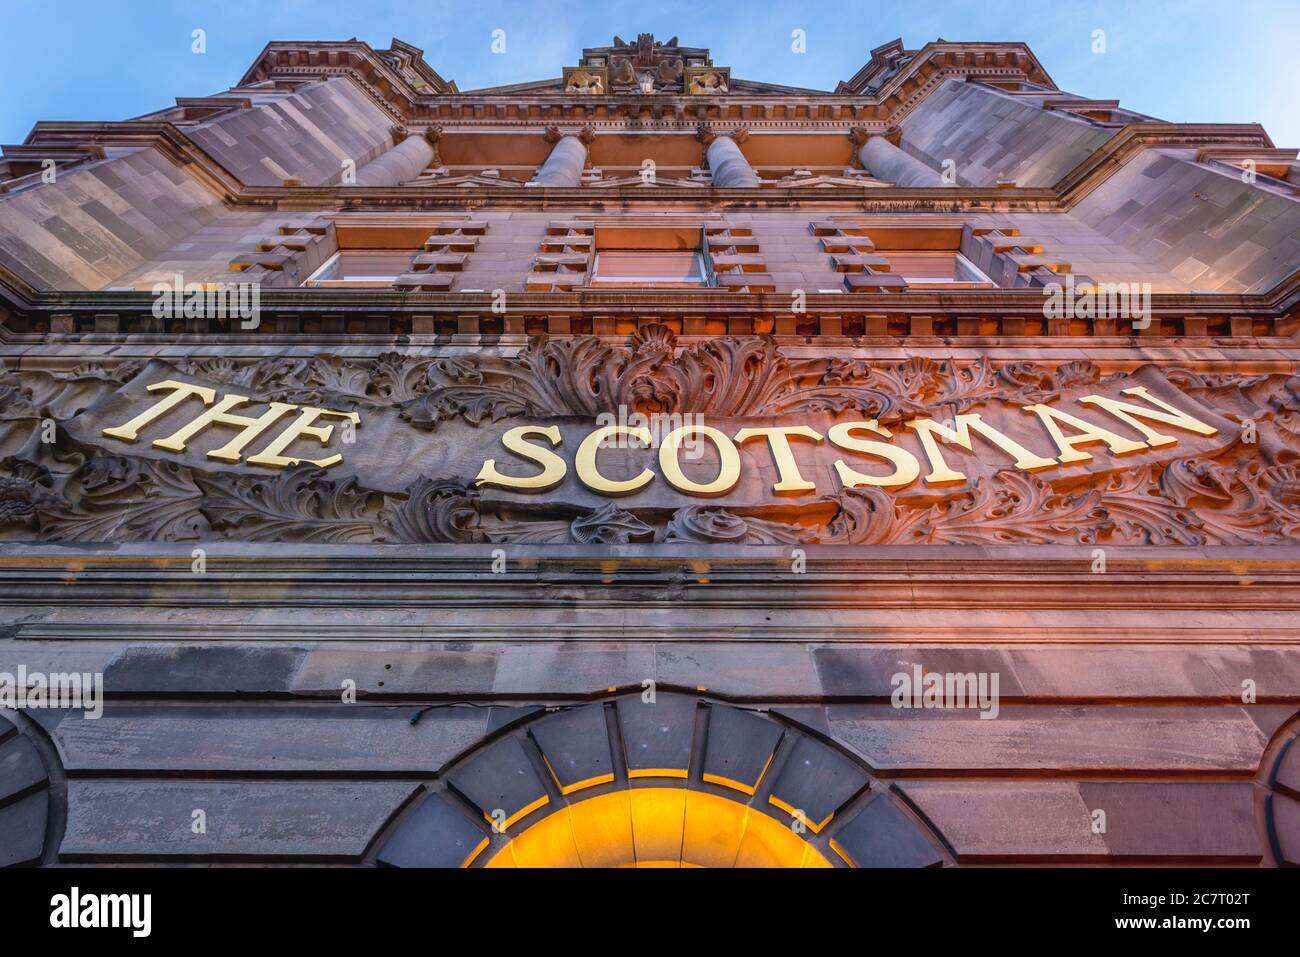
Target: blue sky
<point>1187,60</point>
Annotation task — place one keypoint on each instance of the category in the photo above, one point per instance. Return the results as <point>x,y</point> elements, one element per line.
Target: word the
<point>249,428</point>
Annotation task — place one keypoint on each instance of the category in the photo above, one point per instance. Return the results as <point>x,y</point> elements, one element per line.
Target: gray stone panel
<point>817,780</point>
<point>740,745</point>
<point>244,819</point>
<point>1205,227</point>
<point>657,736</point>
<point>882,835</point>
<point>22,829</point>
<point>436,833</point>
<point>21,768</point>
<point>256,737</point>
<point>305,135</point>
<point>99,221</point>
<point>991,136</point>
<point>499,778</point>
<point>202,669</point>
<point>575,744</point>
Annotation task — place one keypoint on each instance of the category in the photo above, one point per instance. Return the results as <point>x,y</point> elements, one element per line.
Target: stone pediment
<point>468,180</point>
<point>638,181</point>
<point>825,181</point>
<point>627,67</point>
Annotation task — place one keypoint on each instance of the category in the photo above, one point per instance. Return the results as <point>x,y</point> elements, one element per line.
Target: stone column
<point>885,160</point>
<point>726,162</point>
<point>405,161</point>
<point>567,160</point>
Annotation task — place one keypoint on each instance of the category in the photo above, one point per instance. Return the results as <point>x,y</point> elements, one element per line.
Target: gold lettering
<point>1117,444</point>
<point>906,467</point>
<point>219,414</point>
<point>584,462</point>
<point>1128,413</point>
<point>729,461</point>
<point>927,430</point>
<point>553,467</point>
<point>181,391</point>
<point>272,456</point>
<point>787,468</point>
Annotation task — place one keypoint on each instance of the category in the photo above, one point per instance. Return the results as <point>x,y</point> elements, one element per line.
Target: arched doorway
<point>658,780</point>
<point>657,827</point>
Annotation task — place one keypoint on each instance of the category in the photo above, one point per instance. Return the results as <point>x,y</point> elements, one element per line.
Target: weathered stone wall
<point>1203,226</point>
<point>97,222</point>
<point>305,135</point>
<point>994,137</point>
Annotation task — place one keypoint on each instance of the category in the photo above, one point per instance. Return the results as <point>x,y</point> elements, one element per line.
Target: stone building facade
<point>650,466</point>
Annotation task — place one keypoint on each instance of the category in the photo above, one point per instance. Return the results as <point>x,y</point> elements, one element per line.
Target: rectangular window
<point>362,268</point>
<point>627,267</point>
<point>940,269</point>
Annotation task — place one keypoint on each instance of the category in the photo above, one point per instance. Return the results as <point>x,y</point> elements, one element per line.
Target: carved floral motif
<point>1247,494</point>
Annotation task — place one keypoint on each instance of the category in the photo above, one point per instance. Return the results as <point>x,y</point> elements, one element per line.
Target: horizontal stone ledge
<point>268,740</point>
<point>1018,302</point>
<point>384,328</point>
<point>704,583</point>
<point>387,670</point>
<point>1045,739</point>
<point>1249,358</point>
<point>1283,558</point>
<point>248,820</point>
<point>575,613</point>
<point>1036,822</point>
<point>545,628</point>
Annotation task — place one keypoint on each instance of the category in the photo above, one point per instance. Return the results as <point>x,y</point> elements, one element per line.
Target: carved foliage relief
<point>58,483</point>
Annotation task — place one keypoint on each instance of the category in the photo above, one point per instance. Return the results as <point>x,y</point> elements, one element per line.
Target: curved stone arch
<point>1279,775</point>
<point>27,794</point>
<point>675,780</point>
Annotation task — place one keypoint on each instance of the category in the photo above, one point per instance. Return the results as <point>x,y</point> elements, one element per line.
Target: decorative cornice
<point>1002,315</point>
<point>1002,61</point>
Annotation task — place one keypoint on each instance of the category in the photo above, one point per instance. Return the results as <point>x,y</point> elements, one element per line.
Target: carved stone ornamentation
<point>609,525</point>
<point>709,525</point>
<point>585,81</point>
<point>77,488</point>
<point>724,377</point>
<point>301,504</point>
<point>708,81</point>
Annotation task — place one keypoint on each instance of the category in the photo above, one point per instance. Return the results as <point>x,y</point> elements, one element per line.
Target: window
<point>938,269</point>
<point>362,268</point>
<point>639,267</point>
